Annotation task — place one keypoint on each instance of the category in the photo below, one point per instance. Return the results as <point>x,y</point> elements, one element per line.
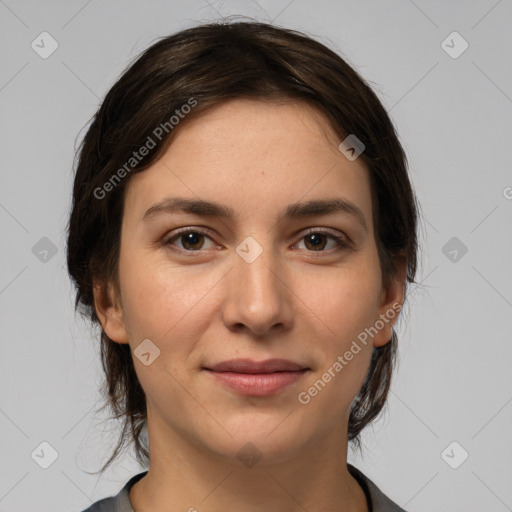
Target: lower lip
<point>257,384</point>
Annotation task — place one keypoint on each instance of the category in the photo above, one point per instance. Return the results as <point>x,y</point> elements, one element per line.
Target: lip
<point>252,378</point>
<point>250,366</point>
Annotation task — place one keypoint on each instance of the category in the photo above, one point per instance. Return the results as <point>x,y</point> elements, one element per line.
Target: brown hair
<point>210,64</point>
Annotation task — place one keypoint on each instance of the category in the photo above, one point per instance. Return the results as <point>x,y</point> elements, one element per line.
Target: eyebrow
<point>293,211</point>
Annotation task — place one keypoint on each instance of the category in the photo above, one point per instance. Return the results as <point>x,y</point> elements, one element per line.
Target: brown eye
<point>191,239</point>
<point>317,241</point>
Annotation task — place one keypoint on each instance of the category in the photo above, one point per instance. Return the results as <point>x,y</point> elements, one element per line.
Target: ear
<point>391,302</point>
<point>109,311</point>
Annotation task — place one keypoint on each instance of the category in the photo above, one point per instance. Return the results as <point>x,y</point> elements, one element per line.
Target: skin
<point>296,301</point>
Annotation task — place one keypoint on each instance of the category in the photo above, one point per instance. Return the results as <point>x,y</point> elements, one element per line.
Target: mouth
<point>252,378</point>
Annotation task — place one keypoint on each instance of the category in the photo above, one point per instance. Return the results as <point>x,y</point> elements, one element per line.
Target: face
<point>264,281</point>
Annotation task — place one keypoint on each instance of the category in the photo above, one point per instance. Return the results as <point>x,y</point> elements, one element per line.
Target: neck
<point>183,476</point>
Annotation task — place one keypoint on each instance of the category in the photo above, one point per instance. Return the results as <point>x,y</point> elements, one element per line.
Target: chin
<point>257,440</point>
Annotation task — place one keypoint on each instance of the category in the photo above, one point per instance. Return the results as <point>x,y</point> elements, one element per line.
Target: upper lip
<point>250,366</point>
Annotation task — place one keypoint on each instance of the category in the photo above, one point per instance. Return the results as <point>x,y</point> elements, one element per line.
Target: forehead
<point>242,123</point>
<point>255,156</point>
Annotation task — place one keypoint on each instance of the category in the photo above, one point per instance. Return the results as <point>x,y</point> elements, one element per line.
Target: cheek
<point>341,350</point>
<point>344,301</point>
<point>167,306</point>
<point>165,303</point>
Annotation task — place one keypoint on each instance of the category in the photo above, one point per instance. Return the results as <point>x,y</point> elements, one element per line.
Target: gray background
<point>454,380</point>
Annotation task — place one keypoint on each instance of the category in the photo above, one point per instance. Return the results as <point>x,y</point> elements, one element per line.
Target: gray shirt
<point>377,500</point>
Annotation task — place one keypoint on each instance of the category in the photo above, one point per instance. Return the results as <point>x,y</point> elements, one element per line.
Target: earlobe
<point>109,311</point>
<point>391,303</point>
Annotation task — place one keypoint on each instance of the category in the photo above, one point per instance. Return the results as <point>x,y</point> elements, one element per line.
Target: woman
<point>243,229</point>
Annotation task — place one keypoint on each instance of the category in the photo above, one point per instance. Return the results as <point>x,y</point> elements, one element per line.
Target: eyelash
<point>341,241</point>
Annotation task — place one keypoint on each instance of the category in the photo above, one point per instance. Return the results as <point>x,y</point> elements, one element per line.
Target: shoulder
<point>104,505</point>
<point>118,503</point>
<point>378,501</point>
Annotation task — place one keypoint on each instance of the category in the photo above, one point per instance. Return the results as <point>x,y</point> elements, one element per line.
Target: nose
<point>258,298</point>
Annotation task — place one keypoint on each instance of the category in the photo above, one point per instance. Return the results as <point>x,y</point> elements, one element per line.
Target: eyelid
<point>194,229</point>
<point>327,231</point>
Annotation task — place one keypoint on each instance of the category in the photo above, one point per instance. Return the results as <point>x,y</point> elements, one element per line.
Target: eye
<point>315,240</point>
<point>192,239</point>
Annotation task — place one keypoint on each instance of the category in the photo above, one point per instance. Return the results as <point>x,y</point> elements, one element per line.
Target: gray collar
<point>377,500</point>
